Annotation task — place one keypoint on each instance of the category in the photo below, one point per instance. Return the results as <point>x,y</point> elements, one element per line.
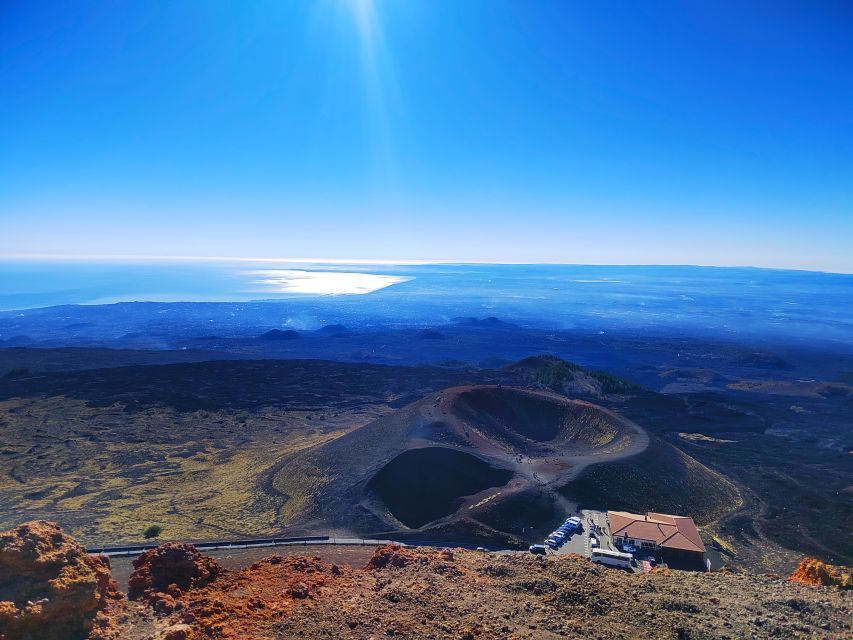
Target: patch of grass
<point>99,472</point>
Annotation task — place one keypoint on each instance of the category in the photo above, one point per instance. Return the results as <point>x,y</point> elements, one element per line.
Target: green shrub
<point>614,384</point>
<point>153,531</point>
<point>556,372</point>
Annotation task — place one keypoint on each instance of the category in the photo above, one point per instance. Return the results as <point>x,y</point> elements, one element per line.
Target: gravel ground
<point>467,595</point>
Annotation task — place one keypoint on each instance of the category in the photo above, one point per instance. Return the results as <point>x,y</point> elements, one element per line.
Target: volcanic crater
<point>450,463</point>
<point>491,437</point>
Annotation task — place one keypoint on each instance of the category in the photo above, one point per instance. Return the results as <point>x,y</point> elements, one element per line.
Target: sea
<point>778,304</point>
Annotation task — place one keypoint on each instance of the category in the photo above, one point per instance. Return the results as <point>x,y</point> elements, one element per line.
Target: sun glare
<point>364,13</point>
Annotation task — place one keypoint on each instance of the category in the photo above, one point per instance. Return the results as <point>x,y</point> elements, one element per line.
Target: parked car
<point>576,522</point>
<point>593,542</point>
<point>538,549</point>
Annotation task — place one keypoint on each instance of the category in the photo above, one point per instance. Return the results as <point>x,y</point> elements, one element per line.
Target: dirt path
<point>557,468</point>
<point>639,442</point>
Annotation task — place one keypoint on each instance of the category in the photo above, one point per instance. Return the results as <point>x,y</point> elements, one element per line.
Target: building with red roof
<point>674,536</point>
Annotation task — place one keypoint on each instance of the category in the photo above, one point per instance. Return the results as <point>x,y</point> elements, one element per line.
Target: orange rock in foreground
<point>394,555</point>
<point>171,568</point>
<point>817,573</point>
<point>52,589</point>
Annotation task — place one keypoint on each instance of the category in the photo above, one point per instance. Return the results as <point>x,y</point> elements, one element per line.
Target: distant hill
<point>566,377</point>
<point>490,322</point>
<point>332,330</point>
<point>279,334</point>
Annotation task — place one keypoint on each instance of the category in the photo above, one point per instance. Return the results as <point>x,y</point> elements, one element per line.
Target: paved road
<point>578,542</point>
<point>132,550</point>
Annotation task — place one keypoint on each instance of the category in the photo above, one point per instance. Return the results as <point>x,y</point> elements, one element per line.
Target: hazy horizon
<point>326,261</point>
<point>713,301</point>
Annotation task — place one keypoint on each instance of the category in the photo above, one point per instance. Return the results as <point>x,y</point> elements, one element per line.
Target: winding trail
<point>557,463</point>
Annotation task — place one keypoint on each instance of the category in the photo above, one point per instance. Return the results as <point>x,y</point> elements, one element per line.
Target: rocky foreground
<point>51,590</point>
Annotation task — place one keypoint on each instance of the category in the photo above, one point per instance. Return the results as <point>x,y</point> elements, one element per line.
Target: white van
<point>612,558</point>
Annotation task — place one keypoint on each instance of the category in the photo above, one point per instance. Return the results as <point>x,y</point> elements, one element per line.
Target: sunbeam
<point>379,87</point>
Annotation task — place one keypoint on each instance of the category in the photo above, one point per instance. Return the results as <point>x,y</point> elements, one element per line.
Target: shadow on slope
<point>515,416</point>
<point>422,485</point>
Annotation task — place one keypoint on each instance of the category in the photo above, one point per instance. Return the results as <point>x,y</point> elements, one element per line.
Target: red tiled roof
<point>666,531</point>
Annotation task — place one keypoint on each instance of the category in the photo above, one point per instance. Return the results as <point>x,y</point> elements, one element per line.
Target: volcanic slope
<point>447,464</point>
<point>187,446</point>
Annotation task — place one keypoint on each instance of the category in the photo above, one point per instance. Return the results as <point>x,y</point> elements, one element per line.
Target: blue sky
<point>684,132</point>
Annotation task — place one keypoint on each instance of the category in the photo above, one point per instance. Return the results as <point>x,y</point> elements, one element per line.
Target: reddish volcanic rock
<point>393,555</point>
<point>246,604</point>
<point>817,573</point>
<point>161,574</point>
<point>403,592</point>
<point>50,588</point>
<point>178,632</point>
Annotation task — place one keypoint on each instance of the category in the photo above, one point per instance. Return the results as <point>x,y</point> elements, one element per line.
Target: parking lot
<point>576,543</point>
<point>579,541</point>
